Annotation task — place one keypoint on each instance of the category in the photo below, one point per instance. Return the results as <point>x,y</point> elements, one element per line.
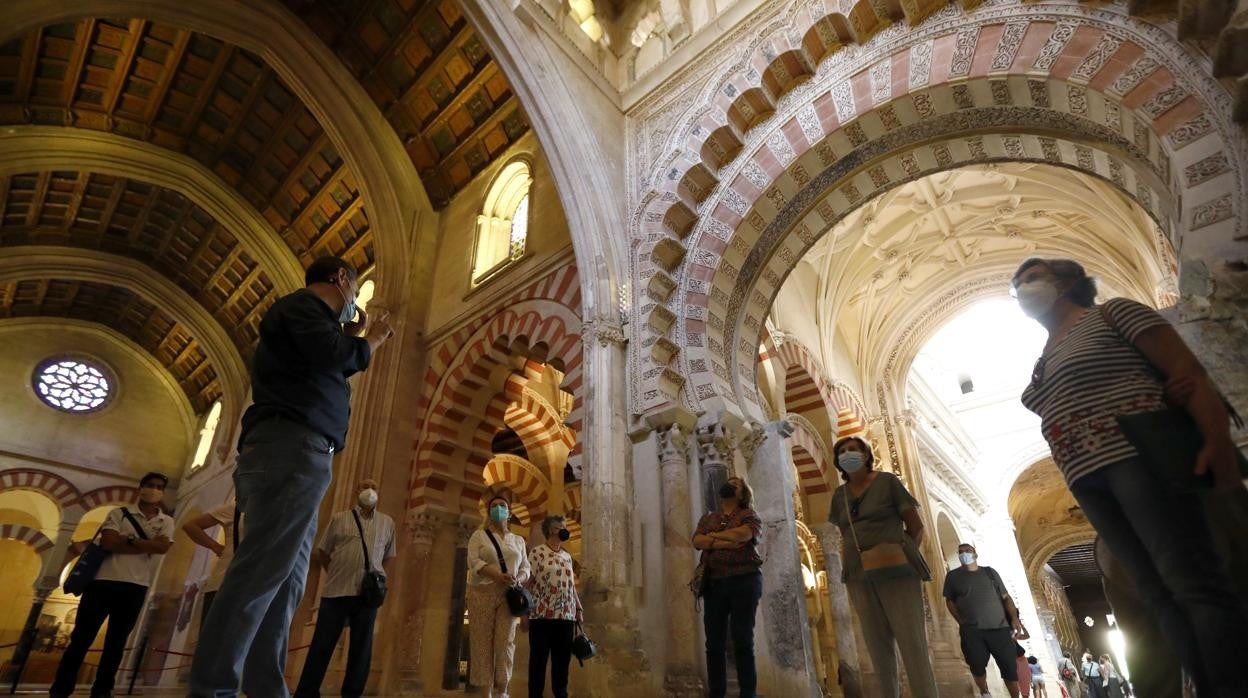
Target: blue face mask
<point>851,461</point>
<point>966,558</point>
<point>348,308</point>
<point>498,513</point>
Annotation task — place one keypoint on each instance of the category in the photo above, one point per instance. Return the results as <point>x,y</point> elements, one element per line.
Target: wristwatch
<point>130,540</point>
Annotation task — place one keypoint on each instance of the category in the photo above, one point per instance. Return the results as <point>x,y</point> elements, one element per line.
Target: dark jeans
<point>203,612</point>
<point>334,614</point>
<point>282,474</point>
<point>120,603</point>
<point>1164,543</point>
<point>998,643</point>
<point>549,638</point>
<point>731,603</point>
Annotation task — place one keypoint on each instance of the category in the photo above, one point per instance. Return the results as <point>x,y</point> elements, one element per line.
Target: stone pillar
<point>401,635</point>
<point>715,450</point>
<point>682,675</point>
<point>785,660</point>
<point>838,605</point>
<point>611,605</point>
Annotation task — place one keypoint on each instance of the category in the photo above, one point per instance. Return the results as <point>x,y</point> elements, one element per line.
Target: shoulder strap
<point>501,562</point>
<point>368,565</point>
<point>1231,412</point>
<point>238,517</point>
<point>849,514</point>
<point>134,522</point>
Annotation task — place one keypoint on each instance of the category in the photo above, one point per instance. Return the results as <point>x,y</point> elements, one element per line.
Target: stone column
<point>785,660</point>
<point>838,605</point>
<point>400,637</point>
<point>715,454</point>
<point>682,676</point>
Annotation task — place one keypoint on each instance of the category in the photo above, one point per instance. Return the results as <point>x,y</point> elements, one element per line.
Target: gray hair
<point>1082,291</point>
<point>549,523</point>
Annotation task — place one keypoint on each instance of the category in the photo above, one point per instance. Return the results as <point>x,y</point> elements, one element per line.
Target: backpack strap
<point>134,522</point>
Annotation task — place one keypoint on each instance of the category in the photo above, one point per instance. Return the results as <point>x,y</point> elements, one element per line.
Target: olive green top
<point>878,520</point>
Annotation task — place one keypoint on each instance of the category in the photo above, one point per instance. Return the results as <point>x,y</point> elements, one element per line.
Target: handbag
<point>582,647</point>
<point>880,561</point>
<point>519,600</point>
<point>1168,441</point>
<point>698,585</point>
<point>373,586</point>
<point>88,564</point>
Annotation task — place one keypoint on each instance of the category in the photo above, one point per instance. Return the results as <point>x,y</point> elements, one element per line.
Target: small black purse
<point>373,586</point>
<point>582,647</point>
<point>519,600</point>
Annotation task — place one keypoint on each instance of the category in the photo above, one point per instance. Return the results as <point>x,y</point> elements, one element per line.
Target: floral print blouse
<point>553,585</point>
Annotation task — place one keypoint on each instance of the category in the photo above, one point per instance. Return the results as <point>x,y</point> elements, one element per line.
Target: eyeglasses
<point>1037,371</point>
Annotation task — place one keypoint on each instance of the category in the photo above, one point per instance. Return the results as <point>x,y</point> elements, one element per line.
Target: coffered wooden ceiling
<point>128,313</point>
<point>194,94</point>
<point>430,74</point>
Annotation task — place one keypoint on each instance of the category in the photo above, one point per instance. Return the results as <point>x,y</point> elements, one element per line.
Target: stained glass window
<point>72,385</point>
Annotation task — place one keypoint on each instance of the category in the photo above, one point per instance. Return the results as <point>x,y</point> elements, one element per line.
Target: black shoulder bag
<point>89,562</point>
<point>373,586</point>
<point>519,600</point>
<point>1169,440</point>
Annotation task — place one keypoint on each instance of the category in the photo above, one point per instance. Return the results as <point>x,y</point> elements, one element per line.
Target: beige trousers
<point>891,613</point>
<point>491,638</point>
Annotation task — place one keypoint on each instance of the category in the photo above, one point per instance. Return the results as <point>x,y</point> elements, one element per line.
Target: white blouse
<point>481,553</point>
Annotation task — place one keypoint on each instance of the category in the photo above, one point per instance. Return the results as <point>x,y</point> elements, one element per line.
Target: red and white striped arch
<point>57,488</point>
<point>469,371</point>
<point>759,168</point>
<point>810,456</point>
<point>810,388</point>
<point>529,486</point>
<point>113,495</point>
<point>40,543</point>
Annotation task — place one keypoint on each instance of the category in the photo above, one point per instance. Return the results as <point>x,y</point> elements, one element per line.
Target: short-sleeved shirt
<point>878,521</point>
<point>223,515</point>
<point>553,584</point>
<point>1035,670</point>
<point>1090,378</point>
<point>346,554</point>
<point>135,569</point>
<point>979,597</point>
<point>731,562</point>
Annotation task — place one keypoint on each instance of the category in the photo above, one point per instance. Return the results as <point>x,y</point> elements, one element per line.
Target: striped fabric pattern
<point>1091,377</point>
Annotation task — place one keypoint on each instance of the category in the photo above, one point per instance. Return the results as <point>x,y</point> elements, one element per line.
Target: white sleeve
<point>224,514</point>
<point>327,539</point>
<point>113,521</point>
<point>524,570</point>
<point>478,545</point>
<point>390,551</point>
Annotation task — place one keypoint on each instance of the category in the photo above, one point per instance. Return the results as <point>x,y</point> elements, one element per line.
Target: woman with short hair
<point>556,610</point>
<point>1123,359</point>
<point>491,625</point>
<point>879,519</point>
<point>728,539</point>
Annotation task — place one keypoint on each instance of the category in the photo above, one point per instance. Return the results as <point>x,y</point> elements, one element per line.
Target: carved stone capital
<point>749,443</point>
<point>673,442</point>
<point>423,527</point>
<point>464,528</point>
<point>715,444</point>
<point>605,331</point>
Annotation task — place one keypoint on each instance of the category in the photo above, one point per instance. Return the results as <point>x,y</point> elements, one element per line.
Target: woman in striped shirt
<point>1098,364</point>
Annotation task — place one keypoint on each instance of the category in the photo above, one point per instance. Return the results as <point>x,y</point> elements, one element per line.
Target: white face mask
<point>1036,298</point>
<point>966,558</point>
<point>151,495</point>
<point>368,498</point>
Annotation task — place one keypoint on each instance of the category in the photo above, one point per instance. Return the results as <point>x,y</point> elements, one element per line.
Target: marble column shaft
<point>682,675</point>
<point>838,594</point>
<point>785,660</point>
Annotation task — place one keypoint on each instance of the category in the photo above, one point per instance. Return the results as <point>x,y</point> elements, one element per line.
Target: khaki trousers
<point>491,638</point>
<point>891,613</point>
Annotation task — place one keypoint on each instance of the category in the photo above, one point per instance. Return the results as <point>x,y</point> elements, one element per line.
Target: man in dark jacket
<point>311,342</point>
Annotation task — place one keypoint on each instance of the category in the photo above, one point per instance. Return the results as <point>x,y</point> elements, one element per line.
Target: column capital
<point>423,526</point>
<point>464,528</point>
<point>673,442</point>
<point>605,331</point>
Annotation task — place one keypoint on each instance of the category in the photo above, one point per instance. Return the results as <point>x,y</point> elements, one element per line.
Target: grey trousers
<point>283,471</point>
<point>891,613</point>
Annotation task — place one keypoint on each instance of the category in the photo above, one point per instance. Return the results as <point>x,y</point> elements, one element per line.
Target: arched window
<point>503,225</point>
<point>206,434</point>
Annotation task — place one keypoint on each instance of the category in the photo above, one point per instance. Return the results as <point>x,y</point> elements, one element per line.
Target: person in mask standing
<point>878,517</point>
<point>492,627</point>
<point>311,342</point>
<point>988,622</point>
<point>1098,364</point>
<point>556,610</point>
<point>341,553</point>
<point>136,539</point>
<point>729,540</point>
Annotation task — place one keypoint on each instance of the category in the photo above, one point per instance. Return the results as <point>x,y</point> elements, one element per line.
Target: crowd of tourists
<point>1133,421</point>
